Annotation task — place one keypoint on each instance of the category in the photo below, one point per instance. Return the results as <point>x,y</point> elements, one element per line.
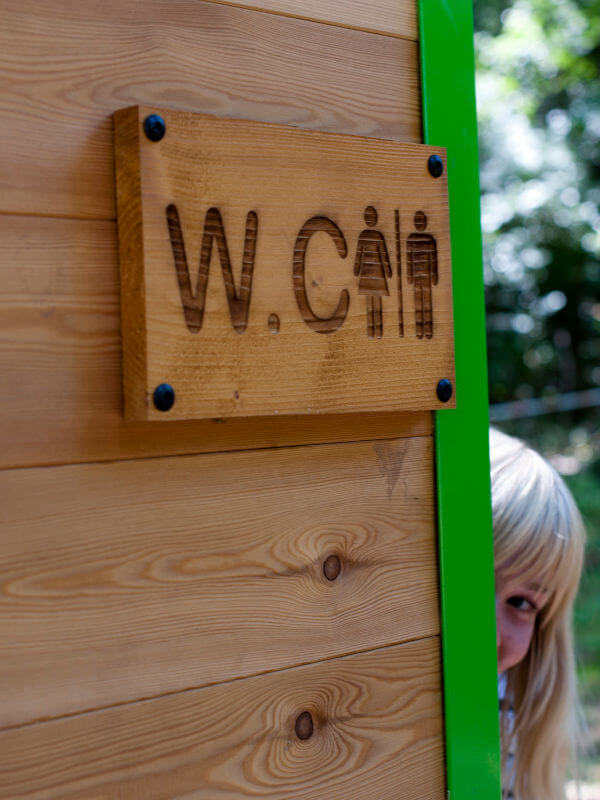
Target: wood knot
<point>331,567</point>
<point>304,725</point>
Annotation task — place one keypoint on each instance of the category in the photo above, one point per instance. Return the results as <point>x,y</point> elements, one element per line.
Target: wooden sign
<point>271,270</point>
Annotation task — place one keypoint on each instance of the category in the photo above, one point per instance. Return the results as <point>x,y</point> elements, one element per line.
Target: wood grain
<point>223,222</point>
<point>377,732</point>
<point>66,66</point>
<point>60,363</point>
<point>392,17</point>
<point>131,579</point>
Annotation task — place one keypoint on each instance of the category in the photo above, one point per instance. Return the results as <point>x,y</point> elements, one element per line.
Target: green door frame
<point>461,434</point>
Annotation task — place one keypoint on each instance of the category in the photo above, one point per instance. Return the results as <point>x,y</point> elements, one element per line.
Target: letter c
<point>318,324</point>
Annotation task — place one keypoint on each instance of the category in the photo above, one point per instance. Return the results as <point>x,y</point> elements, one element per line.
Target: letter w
<point>193,304</point>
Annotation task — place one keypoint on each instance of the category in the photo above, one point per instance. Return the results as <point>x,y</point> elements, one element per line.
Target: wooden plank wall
<point>175,611</point>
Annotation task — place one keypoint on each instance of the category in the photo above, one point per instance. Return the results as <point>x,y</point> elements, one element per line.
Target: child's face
<point>517,607</point>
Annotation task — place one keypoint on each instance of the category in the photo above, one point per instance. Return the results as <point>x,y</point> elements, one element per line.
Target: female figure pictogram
<point>372,264</point>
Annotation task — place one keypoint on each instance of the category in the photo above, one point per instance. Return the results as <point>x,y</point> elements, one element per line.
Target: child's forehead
<point>515,581</point>
<point>540,575</point>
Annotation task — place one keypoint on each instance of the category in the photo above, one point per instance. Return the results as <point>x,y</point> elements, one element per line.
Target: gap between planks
<point>308,18</point>
<point>187,454</point>
<point>46,215</point>
<point>151,698</point>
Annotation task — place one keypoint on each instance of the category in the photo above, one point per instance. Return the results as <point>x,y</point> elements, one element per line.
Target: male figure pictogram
<point>371,265</point>
<point>422,271</point>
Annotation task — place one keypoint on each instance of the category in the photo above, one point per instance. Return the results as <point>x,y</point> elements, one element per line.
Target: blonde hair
<point>538,537</point>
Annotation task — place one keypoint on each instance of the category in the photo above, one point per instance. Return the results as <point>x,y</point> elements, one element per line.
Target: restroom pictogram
<point>372,266</point>
<point>422,273</point>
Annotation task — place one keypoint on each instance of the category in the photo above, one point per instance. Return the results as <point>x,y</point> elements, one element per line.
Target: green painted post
<point>463,484</point>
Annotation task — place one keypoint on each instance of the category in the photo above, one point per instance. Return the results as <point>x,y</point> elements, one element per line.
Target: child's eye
<point>521,603</point>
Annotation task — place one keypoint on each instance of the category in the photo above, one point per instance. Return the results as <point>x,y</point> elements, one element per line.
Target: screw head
<point>164,397</point>
<point>444,390</point>
<point>435,165</point>
<point>154,127</point>
<point>304,725</point>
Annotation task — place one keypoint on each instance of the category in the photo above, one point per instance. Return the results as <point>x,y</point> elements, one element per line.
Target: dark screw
<point>435,166</point>
<point>154,127</point>
<point>444,390</point>
<point>164,397</point>
<point>331,567</point>
<point>304,725</point>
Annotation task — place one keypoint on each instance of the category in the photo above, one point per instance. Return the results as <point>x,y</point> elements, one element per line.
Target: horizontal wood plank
<point>67,66</point>
<point>60,363</point>
<point>131,579</point>
<point>377,732</point>
<point>392,17</point>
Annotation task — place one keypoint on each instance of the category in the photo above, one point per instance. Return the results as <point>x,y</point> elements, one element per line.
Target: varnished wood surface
<point>125,580</point>
<point>377,732</point>
<point>67,66</point>
<point>392,17</point>
<point>223,222</point>
<point>60,363</point>
<point>131,579</point>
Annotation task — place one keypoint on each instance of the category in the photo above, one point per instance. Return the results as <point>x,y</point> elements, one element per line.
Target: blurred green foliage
<point>538,91</point>
<point>538,95</point>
